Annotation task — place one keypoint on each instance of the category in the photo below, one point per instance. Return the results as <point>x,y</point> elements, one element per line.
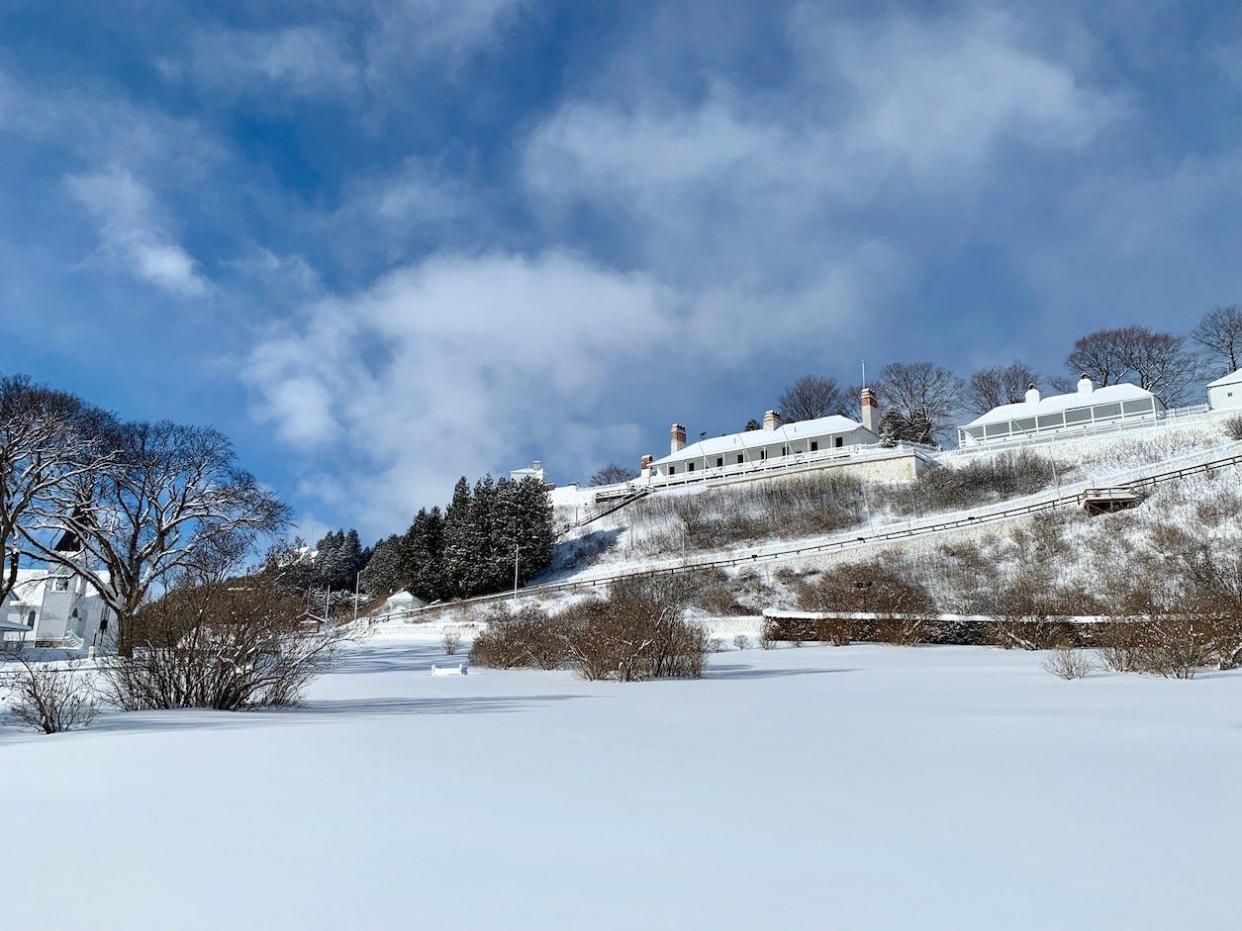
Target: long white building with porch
<point>1080,411</point>
<point>776,440</point>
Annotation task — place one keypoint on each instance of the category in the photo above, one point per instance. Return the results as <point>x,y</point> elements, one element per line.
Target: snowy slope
<point>865,787</point>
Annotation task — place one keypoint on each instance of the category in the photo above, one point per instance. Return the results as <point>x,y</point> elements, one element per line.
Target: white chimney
<point>1032,394</point>
<point>677,438</point>
<point>1084,384</point>
<point>771,420</point>
<point>870,410</point>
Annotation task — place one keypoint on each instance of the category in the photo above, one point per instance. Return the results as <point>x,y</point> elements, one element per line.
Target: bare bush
<point>227,647</point>
<point>741,642</point>
<point>1233,428</point>
<point>47,699</point>
<point>1067,663</point>
<point>767,635</point>
<point>451,641</point>
<point>529,638</point>
<point>821,502</point>
<point>979,482</point>
<point>639,633</point>
<point>887,602</point>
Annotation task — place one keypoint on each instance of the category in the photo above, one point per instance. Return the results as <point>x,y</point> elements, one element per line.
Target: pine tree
<point>525,526</point>
<point>385,571</point>
<point>422,555</point>
<point>458,548</point>
<point>349,560</point>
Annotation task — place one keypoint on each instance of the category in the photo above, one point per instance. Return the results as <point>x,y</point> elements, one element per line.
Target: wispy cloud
<point>132,233</point>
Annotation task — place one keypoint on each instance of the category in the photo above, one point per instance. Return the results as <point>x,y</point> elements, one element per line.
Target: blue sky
<point>384,244</point>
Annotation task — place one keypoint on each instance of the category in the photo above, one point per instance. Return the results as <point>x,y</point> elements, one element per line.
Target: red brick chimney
<point>870,411</point>
<point>677,438</point>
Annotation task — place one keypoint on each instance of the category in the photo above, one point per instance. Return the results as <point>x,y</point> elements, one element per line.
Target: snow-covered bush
<point>228,647</point>
<point>451,641</point>
<point>1067,663</point>
<point>49,699</point>
<point>741,642</point>
<point>1233,428</point>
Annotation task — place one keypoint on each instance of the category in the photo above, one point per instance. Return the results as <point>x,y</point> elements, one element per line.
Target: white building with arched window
<point>54,606</point>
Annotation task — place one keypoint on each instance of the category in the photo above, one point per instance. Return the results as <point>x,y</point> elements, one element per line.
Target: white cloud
<point>133,235</point>
<point>938,96</point>
<point>305,60</point>
<point>447,367</point>
<point>413,34</point>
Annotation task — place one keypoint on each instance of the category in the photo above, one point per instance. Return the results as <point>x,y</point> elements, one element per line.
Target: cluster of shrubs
<point>978,482</point>
<point>227,646</point>
<point>824,502</point>
<point>636,633</point>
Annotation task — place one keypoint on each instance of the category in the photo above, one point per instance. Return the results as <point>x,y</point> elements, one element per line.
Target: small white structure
<point>1225,394</point>
<point>54,606</point>
<point>776,440</point>
<point>1080,411</point>
<point>535,471</point>
<point>403,601</point>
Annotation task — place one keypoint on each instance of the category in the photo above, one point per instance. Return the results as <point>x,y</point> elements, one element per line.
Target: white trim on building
<point>1079,410</point>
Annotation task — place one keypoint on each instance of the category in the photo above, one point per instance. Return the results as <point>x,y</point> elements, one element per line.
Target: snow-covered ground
<point>859,787</point>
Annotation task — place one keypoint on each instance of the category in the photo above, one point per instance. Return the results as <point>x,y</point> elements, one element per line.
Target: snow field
<point>860,787</point>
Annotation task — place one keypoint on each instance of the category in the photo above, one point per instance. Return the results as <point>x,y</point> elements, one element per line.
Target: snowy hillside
<point>667,528</point>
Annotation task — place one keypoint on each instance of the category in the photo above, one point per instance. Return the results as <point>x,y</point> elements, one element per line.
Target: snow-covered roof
<point>1058,403</point>
<point>755,439</point>
<point>405,599</point>
<point>1233,378</point>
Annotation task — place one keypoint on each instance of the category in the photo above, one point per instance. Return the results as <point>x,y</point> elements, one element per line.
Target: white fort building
<point>776,440</point>
<point>1080,411</point>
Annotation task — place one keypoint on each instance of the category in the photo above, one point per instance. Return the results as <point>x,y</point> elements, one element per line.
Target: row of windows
<point>763,455</point>
<point>1070,418</point>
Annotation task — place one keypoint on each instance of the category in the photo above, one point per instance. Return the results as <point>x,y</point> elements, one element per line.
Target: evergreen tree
<point>527,527</point>
<point>385,571</point>
<point>349,560</point>
<point>422,554</point>
<point>458,547</point>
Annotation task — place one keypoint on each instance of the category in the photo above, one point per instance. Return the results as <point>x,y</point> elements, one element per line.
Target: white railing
<point>794,462</point>
<point>1183,415</point>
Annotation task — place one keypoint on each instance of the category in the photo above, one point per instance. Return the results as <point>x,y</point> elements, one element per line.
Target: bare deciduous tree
<point>1219,336</point>
<point>172,500</point>
<point>812,396</point>
<point>921,388</point>
<point>48,440</point>
<point>612,474</point>
<point>1159,362</point>
<point>1001,384</point>
<point>50,699</point>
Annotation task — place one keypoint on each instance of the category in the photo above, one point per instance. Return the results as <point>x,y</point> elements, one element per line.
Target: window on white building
<point>60,583</point>
<point>814,446</point>
<point>840,441</point>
